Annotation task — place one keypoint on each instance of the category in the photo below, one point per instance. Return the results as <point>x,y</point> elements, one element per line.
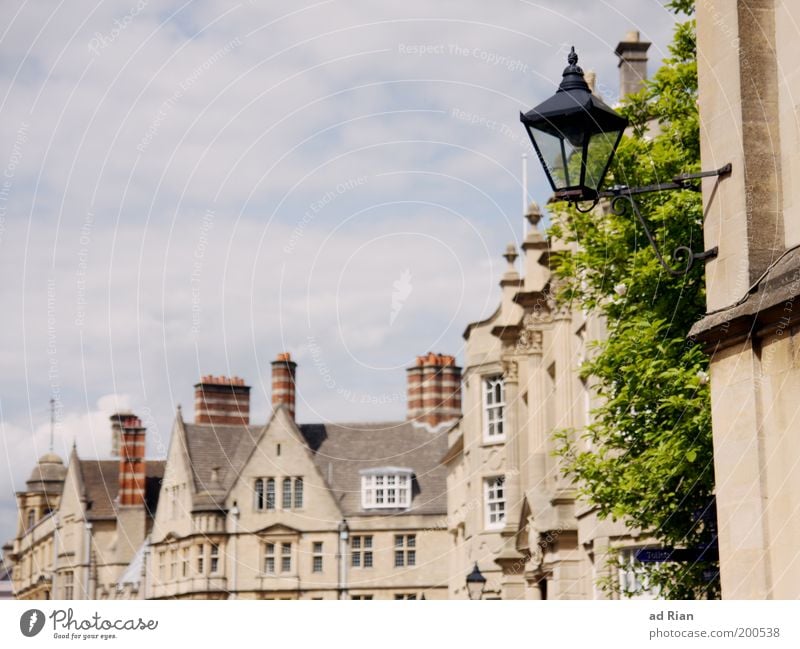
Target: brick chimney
<point>632,54</point>
<point>116,430</point>
<point>131,462</point>
<point>222,400</point>
<point>434,389</point>
<point>283,382</point>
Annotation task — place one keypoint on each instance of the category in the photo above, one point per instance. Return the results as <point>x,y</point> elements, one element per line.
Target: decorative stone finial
<point>511,255</point>
<point>534,214</point>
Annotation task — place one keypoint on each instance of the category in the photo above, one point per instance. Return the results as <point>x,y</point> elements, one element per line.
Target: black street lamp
<point>476,583</point>
<point>575,135</point>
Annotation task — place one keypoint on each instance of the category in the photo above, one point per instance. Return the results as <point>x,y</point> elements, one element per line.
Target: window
<point>214,560</point>
<point>185,562</point>
<point>361,597</point>
<point>270,493</point>
<point>298,493</point>
<point>632,577</point>
<point>69,585</point>
<point>31,517</point>
<point>201,557</point>
<point>162,565</point>
<point>316,559</point>
<point>286,557</point>
<point>405,553</point>
<point>361,551</point>
<point>269,558</point>
<point>405,596</point>
<point>173,563</point>
<point>495,500</point>
<point>388,488</point>
<point>287,493</point>
<point>493,409</point>
<point>259,494</point>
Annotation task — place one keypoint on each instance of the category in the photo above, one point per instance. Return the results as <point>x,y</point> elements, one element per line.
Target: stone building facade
<point>80,526</point>
<point>511,511</point>
<point>749,75</point>
<point>272,511</point>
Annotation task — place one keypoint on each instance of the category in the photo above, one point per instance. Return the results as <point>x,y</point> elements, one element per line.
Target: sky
<point>191,188</point>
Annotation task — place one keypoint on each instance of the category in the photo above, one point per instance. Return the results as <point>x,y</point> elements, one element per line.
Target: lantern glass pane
<point>598,156</point>
<point>557,154</point>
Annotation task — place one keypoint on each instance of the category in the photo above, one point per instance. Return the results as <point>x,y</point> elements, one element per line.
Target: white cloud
<point>258,112</point>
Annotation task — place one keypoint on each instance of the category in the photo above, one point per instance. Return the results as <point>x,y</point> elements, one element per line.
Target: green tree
<point>648,460</point>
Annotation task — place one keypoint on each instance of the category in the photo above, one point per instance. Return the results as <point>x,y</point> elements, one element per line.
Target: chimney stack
<point>116,430</point>
<point>283,382</point>
<point>632,55</point>
<point>434,389</point>
<point>222,400</point>
<point>131,462</point>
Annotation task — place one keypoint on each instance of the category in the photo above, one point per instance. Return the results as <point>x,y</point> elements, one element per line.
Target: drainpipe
<point>341,555</point>
<point>146,569</point>
<point>56,521</point>
<point>89,593</point>
<point>234,586</point>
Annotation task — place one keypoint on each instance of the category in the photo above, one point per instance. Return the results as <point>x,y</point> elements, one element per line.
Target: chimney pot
<point>434,389</point>
<point>284,372</point>
<point>131,462</point>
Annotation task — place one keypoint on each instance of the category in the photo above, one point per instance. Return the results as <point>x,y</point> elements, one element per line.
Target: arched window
<point>270,493</point>
<point>259,494</point>
<point>31,517</point>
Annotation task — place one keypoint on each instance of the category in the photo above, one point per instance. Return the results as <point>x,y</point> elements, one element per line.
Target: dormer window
<point>386,488</point>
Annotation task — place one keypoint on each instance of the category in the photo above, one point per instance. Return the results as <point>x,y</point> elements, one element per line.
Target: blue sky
<point>191,188</point>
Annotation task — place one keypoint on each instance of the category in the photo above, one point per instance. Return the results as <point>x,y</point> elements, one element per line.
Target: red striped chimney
<point>434,389</point>
<point>283,382</point>
<point>222,400</point>
<point>131,462</point>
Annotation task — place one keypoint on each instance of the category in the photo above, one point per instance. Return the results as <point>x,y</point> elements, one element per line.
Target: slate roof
<point>340,452</point>
<point>101,483</point>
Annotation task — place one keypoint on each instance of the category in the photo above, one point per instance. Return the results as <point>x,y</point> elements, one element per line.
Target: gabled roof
<point>101,483</point>
<point>340,452</point>
<point>225,448</point>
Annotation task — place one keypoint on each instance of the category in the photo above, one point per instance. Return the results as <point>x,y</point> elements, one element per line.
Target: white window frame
<point>494,503</point>
<point>494,412</point>
<point>632,575</point>
<point>387,488</point>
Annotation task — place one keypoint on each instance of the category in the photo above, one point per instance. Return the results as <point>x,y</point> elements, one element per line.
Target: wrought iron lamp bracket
<point>621,194</point>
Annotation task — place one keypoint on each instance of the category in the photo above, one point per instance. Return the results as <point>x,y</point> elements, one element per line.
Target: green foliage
<point>647,458</point>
